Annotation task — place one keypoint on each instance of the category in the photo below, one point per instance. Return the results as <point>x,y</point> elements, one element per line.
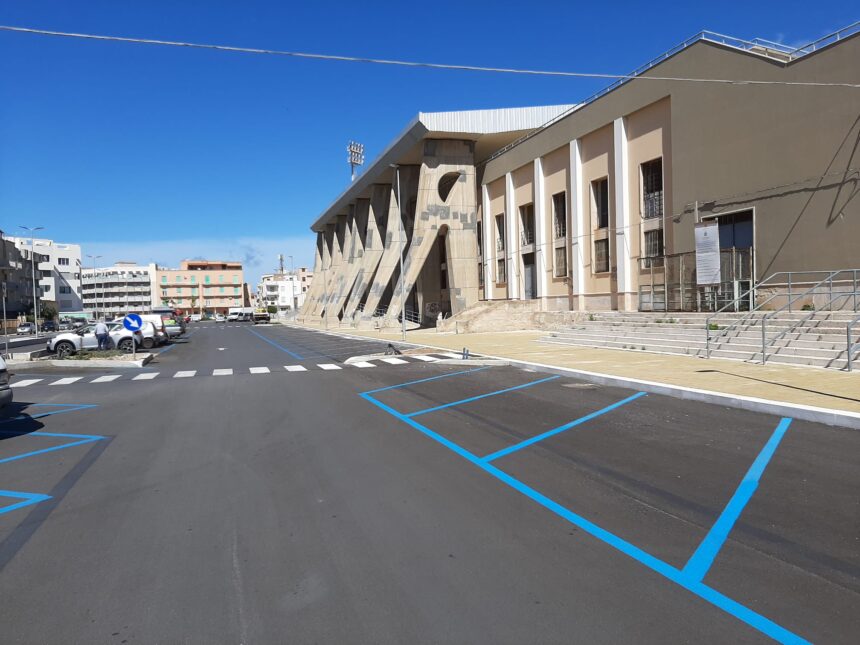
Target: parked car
<point>161,336</point>
<point>195,317</point>
<point>172,327</point>
<point>65,326</point>
<point>77,323</point>
<point>233,316</point>
<point>220,318</point>
<point>26,328</point>
<point>49,325</point>
<point>5,390</point>
<point>85,338</point>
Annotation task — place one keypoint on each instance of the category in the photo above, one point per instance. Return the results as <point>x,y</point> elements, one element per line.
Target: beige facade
<point>201,286</point>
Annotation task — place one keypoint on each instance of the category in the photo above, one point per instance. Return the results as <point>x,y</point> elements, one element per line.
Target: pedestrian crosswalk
<point>229,371</point>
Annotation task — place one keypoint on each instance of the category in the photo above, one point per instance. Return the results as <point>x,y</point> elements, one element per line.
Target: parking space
<point>754,514</point>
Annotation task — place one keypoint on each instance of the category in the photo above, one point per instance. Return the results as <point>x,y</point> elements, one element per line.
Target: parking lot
<point>411,502</point>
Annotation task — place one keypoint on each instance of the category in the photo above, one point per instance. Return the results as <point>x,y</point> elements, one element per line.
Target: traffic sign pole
<point>134,324</point>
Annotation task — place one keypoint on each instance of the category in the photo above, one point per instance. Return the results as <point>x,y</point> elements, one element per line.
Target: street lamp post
<point>402,235</point>
<point>32,231</point>
<point>95,286</point>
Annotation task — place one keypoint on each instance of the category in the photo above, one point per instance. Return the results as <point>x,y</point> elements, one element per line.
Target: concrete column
<point>511,241</point>
<point>312,296</point>
<point>489,246</point>
<point>543,242</point>
<point>578,220</point>
<point>622,217</point>
<point>377,210</point>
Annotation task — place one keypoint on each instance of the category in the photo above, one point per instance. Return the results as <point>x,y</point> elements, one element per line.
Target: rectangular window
<point>45,288</point>
<point>164,293</point>
<point>193,291</point>
<point>163,279</point>
<point>480,275</point>
<point>559,215</point>
<point>63,262</point>
<point>527,224</point>
<point>235,279</point>
<point>652,189</point>
<point>560,265</point>
<point>220,277</point>
<point>480,233</point>
<point>206,279</point>
<point>500,271</point>
<point>178,291</point>
<point>500,233</point>
<point>601,256</point>
<point>65,290</point>
<point>235,291</point>
<point>220,289</point>
<point>654,243</point>
<point>600,201</point>
<point>194,279</point>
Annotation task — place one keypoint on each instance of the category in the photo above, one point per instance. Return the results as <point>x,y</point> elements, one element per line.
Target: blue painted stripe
<point>51,449</point>
<point>566,426</point>
<point>700,562</point>
<point>27,499</point>
<point>274,344</point>
<point>481,396</point>
<point>424,380</point>
<point>22,417</point>
<point>731,607</point>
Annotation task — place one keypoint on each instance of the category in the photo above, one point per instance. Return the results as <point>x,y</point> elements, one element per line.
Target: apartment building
<point>58,270</point>
<point>286,291</point>
<point>201,286</point>
<point>16,276</point>
<point>598,207</point>
<point>119,289</point>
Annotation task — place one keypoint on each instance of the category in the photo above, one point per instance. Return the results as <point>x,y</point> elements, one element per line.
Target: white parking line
<point>393,361</point>
<point>27,382</point>
<point>423,357</point>
<point>106,379</point>
<point>145,377</point>
<point>295,368</point>
<point>187,374</point>
<point>226,372</point>
<point>327,366</point>
<point>259,370</point>
<point>363,364</point>
<point>450,355</point>
<point>67,381</point>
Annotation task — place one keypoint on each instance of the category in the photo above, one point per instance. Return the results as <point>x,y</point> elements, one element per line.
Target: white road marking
<point>328,366</point>
<point>145,377</point>
<point>423,357</point>
<point>259,370</point>
<point>393,361</point>
<point>363,364</point>
<point>106,379</point>
<point>66,381</point>
<point>26,382</point>
<point>226,372</point>
<point>187,374</point>
<point>295,368</point>
<point>221,349</point>
<point>451,355</point>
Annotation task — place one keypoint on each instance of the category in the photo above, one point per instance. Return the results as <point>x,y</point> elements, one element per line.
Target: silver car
<point>85,338</point>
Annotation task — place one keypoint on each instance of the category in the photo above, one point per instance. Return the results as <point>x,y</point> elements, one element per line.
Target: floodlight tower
<point>355,157</point>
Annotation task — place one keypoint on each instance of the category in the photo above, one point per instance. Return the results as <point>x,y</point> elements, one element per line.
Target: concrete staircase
<point>816,339</point>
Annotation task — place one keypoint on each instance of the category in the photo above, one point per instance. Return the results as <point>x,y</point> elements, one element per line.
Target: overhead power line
<point>415,64</point>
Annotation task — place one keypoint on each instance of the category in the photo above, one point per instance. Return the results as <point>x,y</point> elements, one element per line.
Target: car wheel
<point>125,345</point>
<point>148,343</point>
<point>64,349</point>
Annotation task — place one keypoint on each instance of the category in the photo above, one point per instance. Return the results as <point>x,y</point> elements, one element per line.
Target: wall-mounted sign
<point>708,253</point>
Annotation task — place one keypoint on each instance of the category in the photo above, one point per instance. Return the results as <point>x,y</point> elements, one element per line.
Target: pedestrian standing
<point>102,335</point>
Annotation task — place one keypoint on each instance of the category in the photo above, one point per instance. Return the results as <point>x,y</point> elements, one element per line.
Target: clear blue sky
<point>155,154</point>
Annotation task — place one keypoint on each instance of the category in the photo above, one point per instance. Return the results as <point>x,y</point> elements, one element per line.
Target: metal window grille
<point>652,189</point>
<point>600,194</point>
<point>527,224</point>
<point>500,232</point>
<point>601,256</point>
<point>560,265</point>
<point>500,271</point>
<point>559,211</point>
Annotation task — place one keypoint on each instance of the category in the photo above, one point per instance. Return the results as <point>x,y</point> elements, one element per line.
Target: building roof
<point>490,129</point>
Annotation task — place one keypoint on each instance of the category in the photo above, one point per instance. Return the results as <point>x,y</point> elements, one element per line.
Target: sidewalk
<point>821,388</point>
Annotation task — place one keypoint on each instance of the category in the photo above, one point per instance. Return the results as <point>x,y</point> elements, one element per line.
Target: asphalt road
<point>468,506</point>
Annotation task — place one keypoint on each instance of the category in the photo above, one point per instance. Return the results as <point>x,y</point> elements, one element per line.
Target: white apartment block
<point>286,291</point>
<point>119,289</point>
<point>58,267</point>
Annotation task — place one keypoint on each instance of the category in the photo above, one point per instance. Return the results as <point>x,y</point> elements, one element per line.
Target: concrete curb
<point>827,416</point>
<point>73,364</point>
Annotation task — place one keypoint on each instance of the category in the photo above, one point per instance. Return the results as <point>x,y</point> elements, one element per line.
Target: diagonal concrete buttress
<point>313,294</point>
<point>353,255</point>
<point>373,248</point>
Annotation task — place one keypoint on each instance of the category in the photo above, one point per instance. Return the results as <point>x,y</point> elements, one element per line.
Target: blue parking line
<point>271,342</point>
<point>555,431</point>
<point>424,380</point>
<point>700,562</point>
<point>726,604</point>
<point>90,439</point>
<point>27,499</point>
<point>481,396</point>
<point>21,417</point>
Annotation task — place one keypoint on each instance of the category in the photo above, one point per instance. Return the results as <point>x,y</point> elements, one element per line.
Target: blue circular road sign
<point>132,322</point>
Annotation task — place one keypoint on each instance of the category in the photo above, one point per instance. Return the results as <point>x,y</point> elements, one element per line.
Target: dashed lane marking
<point>145,377</point>
<point>295,368</point>
<point>67,380</point>
<point>393,361</point>
<point>26,382</point>
<point>328,366</point>
<point>424,357</point>
<point>259,370</point>
<point>363,364</point>
<point>106,379</point>
<point>222,372</point>
<point>186,374</point>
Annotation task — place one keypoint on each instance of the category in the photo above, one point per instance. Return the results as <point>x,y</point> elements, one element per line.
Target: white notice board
<point>708,253</point>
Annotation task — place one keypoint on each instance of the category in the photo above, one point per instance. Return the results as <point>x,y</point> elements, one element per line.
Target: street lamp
<point>32,231</point>
<point>95,287</point>
<point>401,233</point>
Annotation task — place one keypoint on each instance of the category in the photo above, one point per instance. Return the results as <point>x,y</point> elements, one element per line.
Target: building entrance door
<point>529,277</point>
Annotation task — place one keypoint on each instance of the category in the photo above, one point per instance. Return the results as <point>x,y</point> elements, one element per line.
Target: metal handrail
<point>851,346</point>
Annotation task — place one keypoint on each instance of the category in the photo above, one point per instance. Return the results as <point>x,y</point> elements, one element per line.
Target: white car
<point>85,338</point>
<point>5,390</point>
<point>196,317</point>
<point>220,318</point>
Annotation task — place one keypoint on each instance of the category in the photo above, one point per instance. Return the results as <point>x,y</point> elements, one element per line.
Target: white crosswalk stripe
<point>393,361</point>
<point>106,379</point>
<point>259,370</point>
<point>67,380</point>
<point>26,382</point>
<point>327,366</point>
<point>423,357</point>
<point>224,372</point>
<point>362,364</point>
<point>185,374</point>
<point>295,368</point>
<point>148,376</point>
